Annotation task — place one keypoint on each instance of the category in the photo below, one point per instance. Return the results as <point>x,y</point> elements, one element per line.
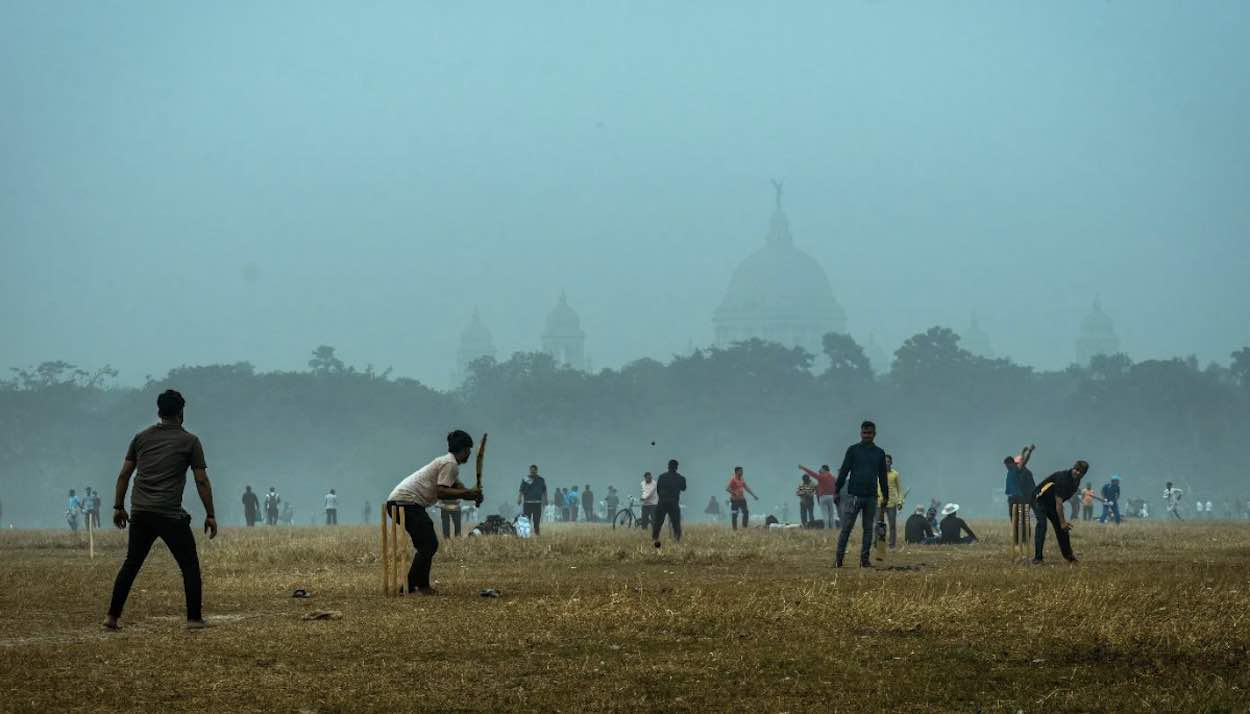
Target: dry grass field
<point>1156,617</point>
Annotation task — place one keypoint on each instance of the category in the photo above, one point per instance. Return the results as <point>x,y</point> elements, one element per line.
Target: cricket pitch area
<point>1155,617</point>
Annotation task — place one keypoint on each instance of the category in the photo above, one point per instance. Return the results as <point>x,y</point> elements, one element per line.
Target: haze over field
<point>199,184</point>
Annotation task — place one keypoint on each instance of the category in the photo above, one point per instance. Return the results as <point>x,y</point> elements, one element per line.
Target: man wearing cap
<point>863,471</point>
<point>916,529</point>
<point>952,527</point>
<point>437,480</point>
<point>1048,500</point>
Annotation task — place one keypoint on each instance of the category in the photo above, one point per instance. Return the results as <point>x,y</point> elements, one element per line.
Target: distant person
<point>953,527</point>
<point>1019,489</point>
<point>738,490</point>
<point>421,489</point>
<point>272,503</point>
<point>161,454</point>
<point>611,503</point>
<point>449,511</point>
<point>669,487</point>
<point>288,515</point>
<point>916,529</point>
<point>1111,500</point>
<point>588,505</point>
<point>1210,510</point>
<point>863,471</point>
<point>331,504</point>
<point>572,500</point>
<point>93,507</point>
<point>73,508</point>
<point>931,512</point>
<point>889,509</point>
<point>712,509</point>
<point>532,498</point>
<point>1087,503</point>
<point>251,506</point>
<point>1048,500</point>
<point>367,513</point>
<point>826,493</point>
<point>807,500</point>
<point>563,503</point>
<point>650,498</point>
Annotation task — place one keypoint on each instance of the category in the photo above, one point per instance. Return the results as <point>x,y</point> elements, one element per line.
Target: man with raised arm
<point>437,480</point>
<point>161,455</point>
<point>863,471</point>
<point>826,492</point>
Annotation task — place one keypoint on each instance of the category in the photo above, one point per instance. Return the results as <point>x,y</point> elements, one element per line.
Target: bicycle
<point>625,517</point>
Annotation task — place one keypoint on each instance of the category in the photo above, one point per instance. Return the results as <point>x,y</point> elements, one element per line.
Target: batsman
<point>437,480</point>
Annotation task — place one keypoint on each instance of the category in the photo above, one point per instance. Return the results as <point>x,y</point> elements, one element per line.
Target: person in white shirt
<point>437,480</point>
<point>1172,497</point>
<point>332,508</point>
<point>649,499</point>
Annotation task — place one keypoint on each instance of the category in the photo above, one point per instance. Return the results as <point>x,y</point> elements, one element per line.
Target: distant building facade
<point>563,337</point>
<point>475,343</point>
<point>1097,335</point>
<point>778,294</point>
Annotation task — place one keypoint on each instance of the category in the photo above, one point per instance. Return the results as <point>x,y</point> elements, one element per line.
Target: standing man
<point>1048,500</point>
<point>572,499</point>
<point>437,480</point>
<point>738,490</point>
<point>272,499</point>
<point>668,488</point>
<point>449,511</point>
<point>807,500</point>
<point>532,497</point>
<point>611,503</point>
<point>865,466</point>
<point>890,508</point>
<point>161,454</point>
<point>1111,500</point>
<point>588,504</point>
<point>1020,484</point>
<point>1172,497</point>
<point>1087,503</point>
<point>94,507</point>
<point>251,506</point>
<point>332,508</point>
<point>73,506</point>
<point>650,499</point>
<point>826,492</point>
<point>368,513</point>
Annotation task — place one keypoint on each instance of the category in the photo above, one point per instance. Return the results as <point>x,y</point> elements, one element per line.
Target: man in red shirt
<point>826,491</point>
<point>738,489</point>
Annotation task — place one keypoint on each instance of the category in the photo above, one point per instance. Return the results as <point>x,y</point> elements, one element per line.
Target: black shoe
<point>1037,561</point>
<point>837,563</point>
<point>865,564</point>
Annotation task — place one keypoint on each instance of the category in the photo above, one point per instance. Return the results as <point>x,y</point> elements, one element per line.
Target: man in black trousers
<point>668,488</point>
<point>865,466</point>
<point>1048,500</point>
<point>162,454</point>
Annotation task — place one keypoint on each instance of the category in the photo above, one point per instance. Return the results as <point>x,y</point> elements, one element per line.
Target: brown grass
<point>1156,617</point>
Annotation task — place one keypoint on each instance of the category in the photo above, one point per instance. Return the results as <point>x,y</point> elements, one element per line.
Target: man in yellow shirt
<point>888,511</point>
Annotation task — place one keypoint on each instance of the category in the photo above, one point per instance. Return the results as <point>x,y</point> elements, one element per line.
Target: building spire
<point>779,226</point>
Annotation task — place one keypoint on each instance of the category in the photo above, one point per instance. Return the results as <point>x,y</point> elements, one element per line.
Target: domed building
<point>779,294</point>
<point>1097,335</point>
<point>475,342</point>
<point>563,338</point>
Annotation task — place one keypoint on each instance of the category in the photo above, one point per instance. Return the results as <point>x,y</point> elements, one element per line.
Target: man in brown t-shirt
<point>162,454</point>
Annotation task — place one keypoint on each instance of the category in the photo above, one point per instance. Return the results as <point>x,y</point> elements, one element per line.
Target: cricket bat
<point>481,459</point>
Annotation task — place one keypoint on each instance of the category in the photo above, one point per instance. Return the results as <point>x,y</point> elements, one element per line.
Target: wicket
<point>391,558</point>
<point>1020,530</point>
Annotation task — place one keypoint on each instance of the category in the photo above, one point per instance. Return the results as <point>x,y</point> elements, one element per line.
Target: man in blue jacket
<point>1111,500</point>
<point>865,466</point>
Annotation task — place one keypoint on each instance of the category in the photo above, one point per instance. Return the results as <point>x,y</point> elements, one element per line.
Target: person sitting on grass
<point>437,480</point>
<point>953,527</point>
<point>162,454</point>
<point>916,529</point>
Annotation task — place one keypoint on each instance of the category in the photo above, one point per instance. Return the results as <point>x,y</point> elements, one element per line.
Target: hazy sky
<point>387,166</point>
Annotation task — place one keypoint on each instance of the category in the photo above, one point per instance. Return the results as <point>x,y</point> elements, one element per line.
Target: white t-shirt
<point>332,502</point>
<point>649,496</point>
<point>421,487</point>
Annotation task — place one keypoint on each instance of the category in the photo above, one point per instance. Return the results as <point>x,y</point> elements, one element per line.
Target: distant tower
<point>563,338</point>
<point>975,340</point>
<point>1097,336</point>
<point>475,343</point>
<point>877,357</point>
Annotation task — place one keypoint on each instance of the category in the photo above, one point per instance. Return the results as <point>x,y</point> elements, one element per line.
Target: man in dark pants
<point>668,488</point>
<point>864,463</point>
<point>1020,484</point>
<point>437,480</point>
<point>588,505</point>
<point>532,497</point>
<point>162,454</point>
<point>1048,500</point>
<point>251,506</point>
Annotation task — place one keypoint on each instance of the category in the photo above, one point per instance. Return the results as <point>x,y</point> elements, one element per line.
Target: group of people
<point>86,506</point>
<point>274,509</point>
